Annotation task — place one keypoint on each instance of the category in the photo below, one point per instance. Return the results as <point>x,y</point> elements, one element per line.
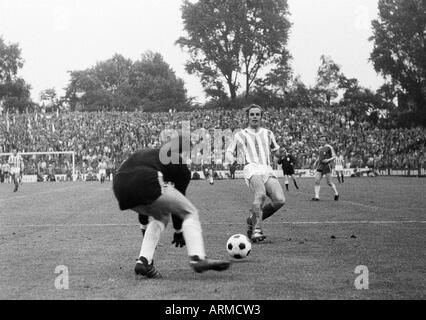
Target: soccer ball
<point>238,246</point>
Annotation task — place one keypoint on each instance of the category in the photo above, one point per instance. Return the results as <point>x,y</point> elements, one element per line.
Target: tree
<point>15,95</point>
<point>227,38</point>
<point>399,51</point>
<point>49,99</point>
<point>14,91</point>
<point>277,81</point>
<point>300,96</point>
<point>156,85</point>
<point>121,84</point>
<point>329,77</point>
<point>10,60</point>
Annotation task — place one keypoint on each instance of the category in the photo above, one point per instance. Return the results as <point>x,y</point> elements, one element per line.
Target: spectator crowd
<point>94,136</point>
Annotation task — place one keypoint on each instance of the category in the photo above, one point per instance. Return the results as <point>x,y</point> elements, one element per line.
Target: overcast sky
<point>60,35</point>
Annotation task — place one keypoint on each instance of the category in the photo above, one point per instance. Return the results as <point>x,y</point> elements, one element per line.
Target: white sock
<point>317,190</point>
<point>334,188</point>
<point>151,238</point>
<point>192,233</point>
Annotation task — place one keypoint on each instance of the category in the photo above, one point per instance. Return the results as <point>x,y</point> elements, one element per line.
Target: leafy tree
<point>15,95</point>
<point>277,81</point>
<point>14,91</point>
<point>227,38</point>
<point>121,84</point>
<point>329,78</point>
<point>156,84</point>
<point>10,60</point>
<point>399,52</point>
<point>300,96</point>
<point>49,99</point>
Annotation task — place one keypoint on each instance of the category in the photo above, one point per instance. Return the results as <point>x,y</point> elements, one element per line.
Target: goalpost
<point>36,157</point>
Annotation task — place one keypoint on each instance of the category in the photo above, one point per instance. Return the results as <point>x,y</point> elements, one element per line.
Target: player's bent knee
<point>159,225</point>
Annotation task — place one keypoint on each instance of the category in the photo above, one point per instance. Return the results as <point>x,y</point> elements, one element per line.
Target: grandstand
<point>92,135</point>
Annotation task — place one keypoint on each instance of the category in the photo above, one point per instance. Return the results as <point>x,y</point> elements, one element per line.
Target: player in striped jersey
<point>16,163</point>
<point>323,167</point>
<point>258,145</point>
<point>102,166</point>
<point>340,162</point>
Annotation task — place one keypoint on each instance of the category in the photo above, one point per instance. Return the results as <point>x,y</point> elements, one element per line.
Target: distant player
<point>257,145</point>
<point>102,167</point>
<point>5,168</point>
<point>232,169</point>
<point>323,168</point>
<point>211,176</point>
<point>340,162</point>
<point>143,184</point>
<point>16,164</point>
<point>287,161</point>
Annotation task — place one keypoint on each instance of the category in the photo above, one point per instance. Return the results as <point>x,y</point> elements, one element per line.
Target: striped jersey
<point>15,161</point>
<point>255,146</point>
<point>103,165</point>
<point>339,160</point>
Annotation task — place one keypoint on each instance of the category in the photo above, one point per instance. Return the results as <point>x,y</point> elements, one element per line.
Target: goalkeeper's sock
<point>150,240</point>
<point>192,234</point>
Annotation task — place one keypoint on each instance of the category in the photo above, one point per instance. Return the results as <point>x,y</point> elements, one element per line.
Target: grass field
<point>379,223</point>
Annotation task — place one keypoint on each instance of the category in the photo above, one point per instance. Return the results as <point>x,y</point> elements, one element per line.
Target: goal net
<point>43,166</point>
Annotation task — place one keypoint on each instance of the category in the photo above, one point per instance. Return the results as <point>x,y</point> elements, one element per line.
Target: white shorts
<point>15,170</point>
<point>338,168</point>
<point>102,172</point>
<point>258,169</point>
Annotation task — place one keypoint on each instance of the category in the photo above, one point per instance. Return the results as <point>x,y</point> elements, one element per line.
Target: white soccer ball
<point>238,246</point>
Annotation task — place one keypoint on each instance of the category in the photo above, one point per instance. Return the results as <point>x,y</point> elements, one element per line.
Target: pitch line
<point>373,222</point>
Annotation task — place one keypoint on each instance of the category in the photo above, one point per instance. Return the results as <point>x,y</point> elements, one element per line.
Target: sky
<point>57,36</point>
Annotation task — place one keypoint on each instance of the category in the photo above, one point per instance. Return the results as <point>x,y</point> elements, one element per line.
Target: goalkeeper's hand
<point>178,239</point>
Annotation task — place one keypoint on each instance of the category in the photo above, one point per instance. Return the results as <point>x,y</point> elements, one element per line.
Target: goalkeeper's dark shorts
<point>137,186</point>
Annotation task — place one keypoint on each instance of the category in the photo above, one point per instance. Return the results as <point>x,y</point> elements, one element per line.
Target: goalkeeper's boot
<point>148,270</point>
<point>257,236</point>
<point>200,265</point>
